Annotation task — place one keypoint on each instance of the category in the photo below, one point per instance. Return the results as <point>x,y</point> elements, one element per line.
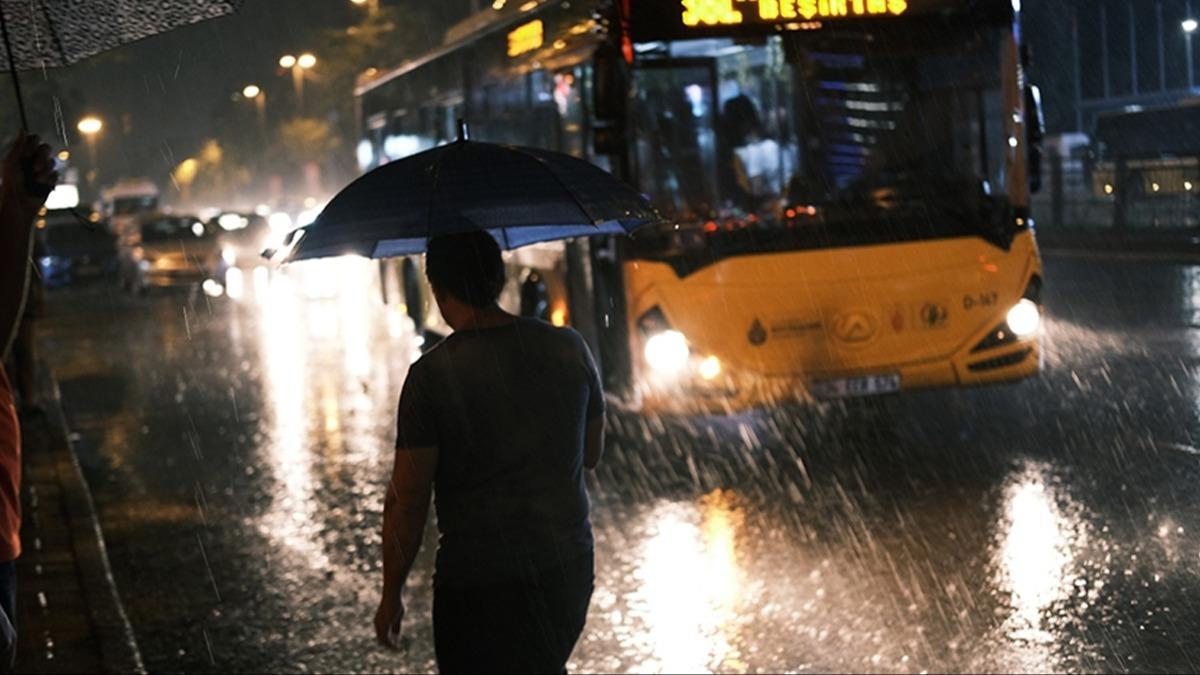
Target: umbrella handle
<point>12,67</point>
<point>464,133</point>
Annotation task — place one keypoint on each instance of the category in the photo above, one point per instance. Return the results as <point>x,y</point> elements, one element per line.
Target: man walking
<point>499,420</point>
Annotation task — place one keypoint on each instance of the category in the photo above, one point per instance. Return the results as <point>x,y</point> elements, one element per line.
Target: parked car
<point>169,250</point>
<point>72,246</point>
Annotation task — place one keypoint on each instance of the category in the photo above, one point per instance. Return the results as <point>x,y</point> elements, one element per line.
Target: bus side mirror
<point>1035,132</point>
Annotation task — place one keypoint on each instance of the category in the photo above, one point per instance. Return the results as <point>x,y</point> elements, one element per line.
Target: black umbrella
<point>520,195</point>
<point>54,33</point>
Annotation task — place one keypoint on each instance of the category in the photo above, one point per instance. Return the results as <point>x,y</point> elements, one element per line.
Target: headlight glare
<point>1024,318</point>
<point>667,352</point>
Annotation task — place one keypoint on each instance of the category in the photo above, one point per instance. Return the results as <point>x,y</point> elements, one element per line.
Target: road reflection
<point>291,519</point>
<point>688,586</point>
<point>1035,555</point>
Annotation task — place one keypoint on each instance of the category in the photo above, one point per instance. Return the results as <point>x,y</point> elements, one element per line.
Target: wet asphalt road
<point>238,451</point>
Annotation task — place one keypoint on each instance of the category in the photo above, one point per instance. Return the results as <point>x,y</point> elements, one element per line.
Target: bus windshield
<point>838,139</point>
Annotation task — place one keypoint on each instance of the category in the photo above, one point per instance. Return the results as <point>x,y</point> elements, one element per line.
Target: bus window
<point>757,151</point>
<point>568,100</point>
<point>676,141</point>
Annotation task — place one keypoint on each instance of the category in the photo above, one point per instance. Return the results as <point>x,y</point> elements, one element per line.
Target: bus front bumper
<point>735,392</point>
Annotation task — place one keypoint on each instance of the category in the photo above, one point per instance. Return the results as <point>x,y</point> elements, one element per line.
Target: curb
<point>119,651</point>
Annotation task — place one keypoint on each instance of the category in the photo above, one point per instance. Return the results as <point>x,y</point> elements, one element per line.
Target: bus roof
<point>470,29</point>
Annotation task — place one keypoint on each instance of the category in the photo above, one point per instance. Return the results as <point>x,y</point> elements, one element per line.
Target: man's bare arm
<point>405,512</point>
<point>593,447</point>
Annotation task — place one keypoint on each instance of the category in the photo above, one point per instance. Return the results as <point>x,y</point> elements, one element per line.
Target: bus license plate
<point>856,386</point>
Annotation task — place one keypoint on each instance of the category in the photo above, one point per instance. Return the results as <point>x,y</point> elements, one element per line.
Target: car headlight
<point>710,368</point>
<point>1024,318</point>
<point>667,352</point>
<point>229,256</point>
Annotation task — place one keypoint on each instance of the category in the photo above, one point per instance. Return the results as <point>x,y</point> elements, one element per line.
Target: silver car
<point>160,250</point>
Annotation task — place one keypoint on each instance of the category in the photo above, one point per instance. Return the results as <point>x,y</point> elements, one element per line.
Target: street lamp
<point>252,91</point>
<point>1189,26</point>
<point>371,5</point>
<point>89,127</point>
<point>298,64</point>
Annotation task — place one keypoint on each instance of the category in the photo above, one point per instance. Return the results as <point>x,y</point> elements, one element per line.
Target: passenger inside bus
<point>757,165</point>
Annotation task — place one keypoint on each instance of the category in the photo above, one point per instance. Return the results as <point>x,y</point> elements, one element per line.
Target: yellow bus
<point>847,184</point>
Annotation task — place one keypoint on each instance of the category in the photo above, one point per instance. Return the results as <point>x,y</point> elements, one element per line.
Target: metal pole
<point>1133,59</point>
<point>1187,38</point>
<point>1191,68</point>
<point>12,69</point>
<point>1078,73</point>
<point>1162,49</point>
<point>1104,48</point>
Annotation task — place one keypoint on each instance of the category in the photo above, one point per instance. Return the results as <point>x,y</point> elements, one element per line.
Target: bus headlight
<point>667,352</point>
<point>1024,318</point>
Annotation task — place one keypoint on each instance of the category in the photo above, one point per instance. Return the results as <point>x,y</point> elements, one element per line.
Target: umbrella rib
<point>583,209</point>
<point>62,51</point>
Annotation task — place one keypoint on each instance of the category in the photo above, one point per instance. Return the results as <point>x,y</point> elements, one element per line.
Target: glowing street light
<point>253,92</point>
<point>1190,25</point>
<point>90,126</point>
<point>306,61</point>
<point>287,61</point>
<point>371,5</point>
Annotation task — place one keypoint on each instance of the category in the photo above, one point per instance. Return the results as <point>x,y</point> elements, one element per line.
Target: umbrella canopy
<point>53,33</point>
<point>520,195</point>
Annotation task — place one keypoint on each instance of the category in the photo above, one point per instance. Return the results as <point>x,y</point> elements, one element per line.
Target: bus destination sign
<point>715,13</point>
<point>526,38</point>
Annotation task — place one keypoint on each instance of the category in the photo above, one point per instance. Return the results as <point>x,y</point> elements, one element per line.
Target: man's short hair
<point>467,266</point>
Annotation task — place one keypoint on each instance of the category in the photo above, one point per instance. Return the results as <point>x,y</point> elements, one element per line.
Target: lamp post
<point>90,126</point>
<point>1189,26</point>
<point>252,91</point>
<point>298,64</point>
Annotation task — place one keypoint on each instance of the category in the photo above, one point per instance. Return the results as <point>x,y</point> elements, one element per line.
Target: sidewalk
<point>69,615</point>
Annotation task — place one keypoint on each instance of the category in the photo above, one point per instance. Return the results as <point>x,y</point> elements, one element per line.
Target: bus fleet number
<point>983,299</point>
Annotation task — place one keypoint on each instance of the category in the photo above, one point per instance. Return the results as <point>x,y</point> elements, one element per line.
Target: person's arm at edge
<point>593,440</point>
<point>405,514</point>
<point>17,210</point>
<point>593,448</point>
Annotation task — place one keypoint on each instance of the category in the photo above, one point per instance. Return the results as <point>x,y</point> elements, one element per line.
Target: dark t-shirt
<point>507,407</point>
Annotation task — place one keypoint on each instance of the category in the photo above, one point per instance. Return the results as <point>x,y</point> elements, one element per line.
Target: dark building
<point>1096,56</point>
